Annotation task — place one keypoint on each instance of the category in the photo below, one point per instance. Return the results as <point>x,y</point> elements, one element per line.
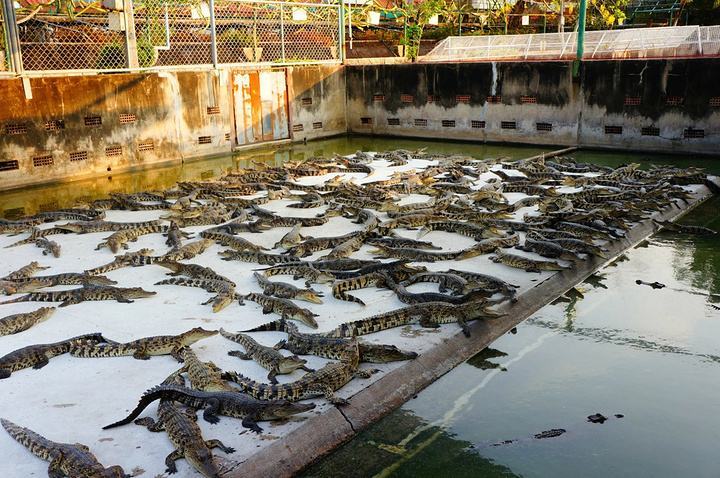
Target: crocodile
<point>287,291</point>
<point>292,238</point>
<point>423,297</point>
<point>25,271</point>
<point>124,260</point>
<point>229,404</point>
<point>66,459</point>
<point>225,290</point>
<point>188,251</point>
<point>334,348</point>
<point>204,376</point>
<point>261,258</point>
<point>487,282</point>
<point>144,348</point>
<point>684,229</point>
<point>418,255</point>
<point>322,382</point>
<point>278,221</point>
<point>529,265</point>
<point>229,240</point>
<point>317,244</point>
<point>195,271</point>
<point>284,308</point>
<point>307,272</point>
<point>463,228</point>
<point>340,287</point>
<point>578,245</point>
<point>268,357</point>
<point>175,236</point>
<point>37,356</point>
<point>31,284</point>
<point>445,280</point>
<point>402,242</point>
<point>120,238</point>
<point>87,293</point>
<point>36,234</point>
<point>488,245</point>
<point>17,287</point>
<point>15,323</point>
<point>399,269</point>
<point>346,248</point>
<point>549,249</point>
<point>185,435</point>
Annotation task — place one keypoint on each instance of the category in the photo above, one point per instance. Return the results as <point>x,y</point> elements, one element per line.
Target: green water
<point>614,347</point>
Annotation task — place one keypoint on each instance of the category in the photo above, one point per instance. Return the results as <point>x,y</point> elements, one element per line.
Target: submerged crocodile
<point>144,348</point>
<point>37,356</point>
<point>87,293</point>
<point>13,324</point>
<point>185,435</point>
<point>66,459</point>
<point>229,404</point>
<point>683,228</point>
<point>268,357</point>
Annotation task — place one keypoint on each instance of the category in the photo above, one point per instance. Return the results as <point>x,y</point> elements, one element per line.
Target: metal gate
<point>260,106</point>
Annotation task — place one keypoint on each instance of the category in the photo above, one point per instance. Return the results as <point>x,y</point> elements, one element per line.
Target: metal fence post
<point>13,39</point>
<point>341,31</point>
<point>131,54</point>
<point>213,35</point>
<point>282,32</point>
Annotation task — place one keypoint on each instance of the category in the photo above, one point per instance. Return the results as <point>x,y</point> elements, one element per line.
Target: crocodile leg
<point>170,461</point>
<point>218,444</point>
<point>4,373</point>
<point>249,422</point>
<point>211,410</point>
<point>150,424</point>
<point>54,470</point>
<point>40,364</point>
<point>280,344</point>
<point>177,354</point>
<point>271,376</point>
<point>140,354</point>
<point>239,354</point>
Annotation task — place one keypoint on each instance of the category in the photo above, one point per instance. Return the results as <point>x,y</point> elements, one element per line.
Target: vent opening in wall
<point>715,101</point>
<point>366,121</point>
<point>148,145</point>
<point>92,120</point>
<point>44,160</point>
<point>378,98</point>
<point>432,98</point>
<point>613,129</point>
<point>227,137</point>
<point>79,156</point>
<point>543,126</point>
<point>317,125</point>
<point>127,118</point>
<point>48,206</point>
<point>204,139</point>
<point>448,123</point>
<point>421,122</point>
<point>393,121</point>
<point>674,100</point>
<point>298,127</point>
<point>478,124</point>
<point>54,125</point>
<point>528,100</point>
<point>650,131</point>
<point>494,99</point>
<point>508,125</point>
<point>9,165</point>
<point>465,99</point>
<point>113,151</point>
<point>14,213</point>
<point>306,101</point>
<point>213,110</point>
<point>690,133</point>
<point>15,128</point>
<point>406,98</point>
<point>631,101</point>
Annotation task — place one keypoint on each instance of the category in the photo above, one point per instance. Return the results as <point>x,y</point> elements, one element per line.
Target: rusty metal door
<point>260,106</point>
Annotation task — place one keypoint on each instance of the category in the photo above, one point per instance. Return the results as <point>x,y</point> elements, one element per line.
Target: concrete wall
<point>316,97</point>
<point>642,105</point>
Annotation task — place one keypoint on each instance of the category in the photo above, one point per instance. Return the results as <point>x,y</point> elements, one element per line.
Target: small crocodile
<point>204,376</point>
<point>13,324</point>
<point>124,260</point>
<point>287,291</point>
<point>487,282</point>
<point>307,272</point>
<point>144,348</point>
<point>48,246</point>
<point>25,271</point>
<point>194,271</point>
<point>316,244</point>
<point>261,258</point>
<point>229,404</point>
<point>234,242</point>
<point>402,242</point>
<point>120,238</point>
<point>66,459</point>
<point>684,229</point>
<point>529,265</point>
<point>341,287</point>
<point>322,382</point>
<point>284,308</point>
<point>549,249</point>
<point>292,238</point>
<point>175,236</point>
<point>185,435</point>
<point>87,293</point>
<point>268,357</point>
<point>31,284</point>
<point>225,290</point>
<point>422,297</point>
<point>488,245</point>
<point>39,355</point>
<point>188,251</point>
<point>445,280</point>
<point>463,228</point>
<point>85,227</point>
<point>418,255</point>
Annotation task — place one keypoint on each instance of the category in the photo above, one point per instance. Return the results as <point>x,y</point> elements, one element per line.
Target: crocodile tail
<point>345,296</point>
<point>38,445</point>
<point>280,325</point>
<point>155,393</point>
<point>24,298</point>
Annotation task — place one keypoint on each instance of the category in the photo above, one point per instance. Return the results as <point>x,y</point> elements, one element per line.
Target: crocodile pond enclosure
<point>362,265</point>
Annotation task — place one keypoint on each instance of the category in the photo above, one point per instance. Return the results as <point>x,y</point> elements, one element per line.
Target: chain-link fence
<point>3,50</point>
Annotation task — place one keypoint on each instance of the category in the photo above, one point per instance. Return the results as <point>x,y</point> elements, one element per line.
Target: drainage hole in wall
<point>93,120</point>
<point>213,110</point>
<point>650,131</point>
<point>127,118</point>
<point>79,156</point>
<point>448,123</point>
<point>306,101</point>
<point>631,101</point>
<point>421,122</point>
<point>543,126</point>
<point>477,124</point>
<point>16,128</point>
<point>204,139</point>
<point>44,160</point>
<point>613,129</point>
<point>113,151</point>
<point>366,121</point>
<point>508,125</point>
<point>406,98</point>
<point>9,165</point>
<point>494,99</point>
<point>393,121</point>
<point>298,127</point>
<point>54,125</point>
<point>528,100</point>
<point>690,133</point>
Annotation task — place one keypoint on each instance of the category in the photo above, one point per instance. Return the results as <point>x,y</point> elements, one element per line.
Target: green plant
<point>241,38</point>
<point>416,16</point>
<point>112,56</point>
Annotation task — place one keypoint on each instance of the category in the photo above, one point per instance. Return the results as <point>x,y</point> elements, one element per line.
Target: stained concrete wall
<point>316,97</point>
<point>661,105</point>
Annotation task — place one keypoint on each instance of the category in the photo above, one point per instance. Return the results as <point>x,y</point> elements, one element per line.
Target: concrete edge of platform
<point>321,434</point>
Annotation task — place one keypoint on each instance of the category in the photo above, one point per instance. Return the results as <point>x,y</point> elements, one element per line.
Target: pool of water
<point>647,359</point>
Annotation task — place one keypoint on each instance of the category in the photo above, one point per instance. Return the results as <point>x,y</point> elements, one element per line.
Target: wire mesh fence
<point>3,49</point>
<point>661,42</point>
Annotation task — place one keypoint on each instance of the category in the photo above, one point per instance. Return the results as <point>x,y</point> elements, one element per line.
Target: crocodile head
<point>279,409</point>
<point>8,287</point>
<point>325,278</point>
<point>291,363</point>
<point>54,248</point>
<point>202,460</point>
<point>379,353</point>
<point>305,316</point>
<point>137,293</point>
<point>99,280</point>
<point>310,296</point>
<point>113,472</point>
<point>198,333</point>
